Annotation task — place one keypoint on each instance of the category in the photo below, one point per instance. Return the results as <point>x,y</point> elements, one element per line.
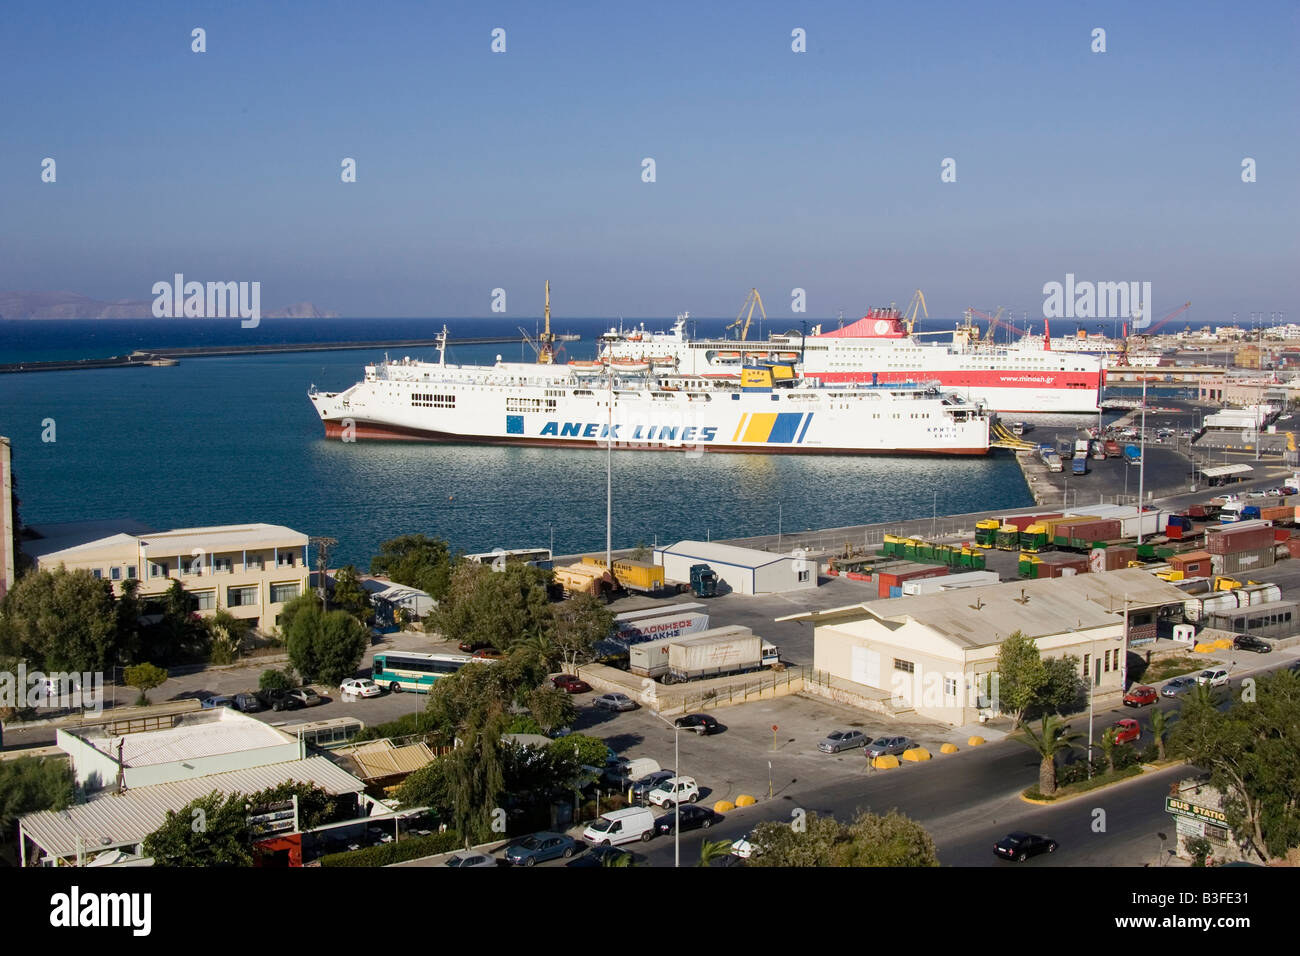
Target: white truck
<point>713,653</point>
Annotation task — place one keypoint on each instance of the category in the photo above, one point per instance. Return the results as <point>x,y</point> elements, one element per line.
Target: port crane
<point>994,320</point>
<point>544,347</point>
<point>751,300</point>
<point>917,303</point>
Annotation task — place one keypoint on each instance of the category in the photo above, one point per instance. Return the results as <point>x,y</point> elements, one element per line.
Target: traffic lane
<point>1115,826</point>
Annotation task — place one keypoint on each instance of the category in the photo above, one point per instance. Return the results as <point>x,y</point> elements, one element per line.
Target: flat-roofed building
<point>250,570</point>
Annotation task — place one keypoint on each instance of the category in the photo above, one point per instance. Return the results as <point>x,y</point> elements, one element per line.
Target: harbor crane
<point>918,302</point>
<point>751,300</point>
<point>994,320</point>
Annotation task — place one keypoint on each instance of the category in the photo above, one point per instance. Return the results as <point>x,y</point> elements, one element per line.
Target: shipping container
<point>1113,450</point>
<point>1278,514</point>
<point>896,576</point>
<point>653,658</point>
<point>715,654</point>
<point>1193,564</point>
<point>1253,594</point>
<point>1114,558</point>
<point>658,623</point>
<point>1243,562</point>
<point>1080,536</point>
<point>951,582</point>
<point>1242,536</point>
<point>1055,565</point>
<point>632,575</point>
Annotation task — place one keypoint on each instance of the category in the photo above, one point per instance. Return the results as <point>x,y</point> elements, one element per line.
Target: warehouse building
<point>743,570</point>
<point>935,653</point>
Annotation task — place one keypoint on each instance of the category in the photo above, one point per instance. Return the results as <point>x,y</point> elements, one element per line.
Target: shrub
<point>1125,756</point>
<point>389,853</point>
<point>523,724</point>
<point>1150,754</point>
<point>275,680</point>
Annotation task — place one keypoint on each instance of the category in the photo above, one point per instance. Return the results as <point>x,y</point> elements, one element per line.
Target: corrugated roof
<point>124,819</point>
<point>382,759</point>
<point>726,553</point>
<point>203,735</point>
<point>221,538</point>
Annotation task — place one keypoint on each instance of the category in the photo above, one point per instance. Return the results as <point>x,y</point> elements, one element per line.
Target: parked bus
<point>415,671</point>
<point>325,734</point>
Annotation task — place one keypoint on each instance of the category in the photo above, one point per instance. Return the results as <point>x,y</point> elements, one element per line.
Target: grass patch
<point>1168,667</point>
<point>389,853</point>
<point>1083,786</point>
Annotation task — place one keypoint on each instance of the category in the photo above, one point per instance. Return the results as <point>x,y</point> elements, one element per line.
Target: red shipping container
<point>1193,564</point>
<point>1281,534</point>
<point>1053,564</point>
<point>1293,546</point>
<point>895,579</point>
<point>1105,529</point>
<point>1246,536</point>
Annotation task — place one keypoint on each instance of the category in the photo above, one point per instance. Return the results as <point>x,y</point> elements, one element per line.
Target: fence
<point>735,692</point>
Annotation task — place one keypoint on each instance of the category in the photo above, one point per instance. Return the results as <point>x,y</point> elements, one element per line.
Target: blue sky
<point>778,170</point>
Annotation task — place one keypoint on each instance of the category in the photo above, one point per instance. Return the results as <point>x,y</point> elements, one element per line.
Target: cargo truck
<point>584,579</point>
<point>1081,448</point>
<point>1132,454</point>
<point>1079,465</point>
<point>632,575</point>
<point>1054,463</point>
<point>704,581</point>
<point>986,532</point>
<point>711,654</point>
<point>1112,449</point>
<point>659,623</point>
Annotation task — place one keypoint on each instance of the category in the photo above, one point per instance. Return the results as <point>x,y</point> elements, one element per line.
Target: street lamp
<point>677,804</point>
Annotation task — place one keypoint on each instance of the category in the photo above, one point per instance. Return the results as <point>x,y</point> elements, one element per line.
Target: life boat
<point>631,365</point>
<point>582,367</point>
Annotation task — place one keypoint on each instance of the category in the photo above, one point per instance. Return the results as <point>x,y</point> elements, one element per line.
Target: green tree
<point>272,679</point>
<point>869,840</point>
<point>580,622</point>
<point>1109,741</point>
<point>476,771</point>
<point>711,850</point>
<point>502,608</point>
<point>1252,753</point>
<point>61,620</point>
<point>350,596</point>
<point>226,635</point>
<point>209,831</point>
<point>416,561</point>
<point>128,610</point>
<point>584,750</point>
<point>551,708</point>
<point>324,646</point>
<point>1199,848</point>
<point>144,678</point>
<point>29,785</point>
<point>430,786</point>
<point>1063,690</point>
<point>1052,738</point>
<point>1159,730</point>
<point>1021,673</point>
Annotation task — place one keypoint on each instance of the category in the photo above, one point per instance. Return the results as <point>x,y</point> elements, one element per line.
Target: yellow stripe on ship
<point>760,427</point>
<point>740,427</point>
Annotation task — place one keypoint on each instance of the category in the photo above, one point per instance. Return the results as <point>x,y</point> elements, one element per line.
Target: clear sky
<point>775,169</point>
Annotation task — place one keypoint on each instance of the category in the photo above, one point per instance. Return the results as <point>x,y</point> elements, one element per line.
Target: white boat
<point>1026,376</point>
<point>767,411</point>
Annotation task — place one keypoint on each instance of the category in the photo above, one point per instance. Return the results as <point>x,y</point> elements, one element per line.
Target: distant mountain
<point>72,305</point>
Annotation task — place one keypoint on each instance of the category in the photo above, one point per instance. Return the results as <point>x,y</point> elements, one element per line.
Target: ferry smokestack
<point>1047,334</point>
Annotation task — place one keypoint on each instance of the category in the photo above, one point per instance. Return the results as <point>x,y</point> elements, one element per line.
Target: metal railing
<point>721,696</point>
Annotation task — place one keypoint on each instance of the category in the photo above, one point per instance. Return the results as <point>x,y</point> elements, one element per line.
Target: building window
<point>950,687</point>
<point>115,573</point>
<point>286,560</point>
<point>157,570</point>
<point>241,597</point>
<point>207,600</point>
<point>1087,671</point>
<point>905,666</point>
<point>1105,662</point>
<point>281,593</point>
<point>222,564</point>
<point>803,577</point>
<point>130,572</point>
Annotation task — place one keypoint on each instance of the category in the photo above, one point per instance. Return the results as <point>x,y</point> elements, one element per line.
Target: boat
<point>1026,376</point>
<point>761,411</point>
<point>583,367</point>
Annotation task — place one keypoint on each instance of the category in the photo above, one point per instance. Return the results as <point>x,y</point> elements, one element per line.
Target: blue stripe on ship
<point>804,431</point>
<point>785,428</point>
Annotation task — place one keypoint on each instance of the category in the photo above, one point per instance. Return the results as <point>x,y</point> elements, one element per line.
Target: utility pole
<point>1142,460</point>
<point>323,546</point>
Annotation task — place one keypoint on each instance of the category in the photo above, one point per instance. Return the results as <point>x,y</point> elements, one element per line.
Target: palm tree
<point>1108,747</point>
<point>616,859</point>
<point>711,850</point>
<point>1159,728</point>
<point>1053,737</point>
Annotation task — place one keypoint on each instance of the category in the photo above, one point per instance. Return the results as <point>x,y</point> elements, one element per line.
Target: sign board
<point>276,818</point>
<point>1181,808</point>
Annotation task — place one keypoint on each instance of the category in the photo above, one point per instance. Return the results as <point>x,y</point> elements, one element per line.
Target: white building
<point>743,570</point>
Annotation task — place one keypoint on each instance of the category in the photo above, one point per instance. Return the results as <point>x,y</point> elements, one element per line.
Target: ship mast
<point>545,342</point>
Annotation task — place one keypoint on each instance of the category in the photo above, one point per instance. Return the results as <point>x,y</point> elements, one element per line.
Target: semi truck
<point>583,579</point>
<point>704,581</point>
<point>713,653</point>
<point>632,575</point>
<point>659,623</point>
<point>1079,465</point>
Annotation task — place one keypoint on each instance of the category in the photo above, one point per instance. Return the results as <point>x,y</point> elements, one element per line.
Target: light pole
<point>1142,460</point>
<point>1092,682</point>
<point>677,804</point>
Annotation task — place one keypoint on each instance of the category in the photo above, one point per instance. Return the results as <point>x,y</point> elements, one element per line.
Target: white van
<point>621,826</point>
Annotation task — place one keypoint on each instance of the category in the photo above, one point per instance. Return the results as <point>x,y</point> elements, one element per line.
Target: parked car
<point>488,654</point>
<point>1247,642</point>
<point>1215,677</point>
<point>621,826</point>
<point>889,745</point>
<point>360,687</point>
<point>275,699</point>
<point>839,740</point>
<point>469,647</point>
<point>1178,686</point>
<point>1140,696</point>
<point>641,789</point>
<point>702,724</point>
<point>616,702</point>
<point>307,696</point>
<point>248,703</point>
<point>742,848</point>
<point>217,700</point>
<point>673,791</point>
<point>692,817</point>
<point>604,856</point>
<point>574,685</point>
<point>540,847</point>
<point>466,859</point>
<point>1021,846</point>
<point>1127,730</point>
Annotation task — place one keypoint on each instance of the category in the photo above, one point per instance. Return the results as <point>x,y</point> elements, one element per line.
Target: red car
<point>574,685</point>
<point>1126,730</point>
<point>1139,696</point>
<point>488,654</point>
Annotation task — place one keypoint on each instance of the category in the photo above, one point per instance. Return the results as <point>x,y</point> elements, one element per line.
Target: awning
<point>1225,471</point>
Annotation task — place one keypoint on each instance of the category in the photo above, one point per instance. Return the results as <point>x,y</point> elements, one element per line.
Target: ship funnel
<point>1047,334</point>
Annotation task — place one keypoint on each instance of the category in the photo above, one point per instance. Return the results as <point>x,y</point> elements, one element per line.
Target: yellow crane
<point>546,341</point>
<point>751,300</point>
<point>918,302</point>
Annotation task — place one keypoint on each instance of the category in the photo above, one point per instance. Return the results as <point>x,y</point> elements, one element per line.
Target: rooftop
<point>54,539</point>
<point>725,553</point>
<point>203,734</point>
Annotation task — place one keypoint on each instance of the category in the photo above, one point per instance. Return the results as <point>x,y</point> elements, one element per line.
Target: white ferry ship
<point>1025,376</point>
<point>765,410</point>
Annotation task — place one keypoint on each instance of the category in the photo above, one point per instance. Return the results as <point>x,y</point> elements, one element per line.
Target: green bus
<point>415,671</point>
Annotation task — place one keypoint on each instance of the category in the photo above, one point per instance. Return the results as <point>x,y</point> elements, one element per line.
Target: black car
<point>604,856</point>
<point>248,703</point>
<point>278,700</point>
<point>694,817</point>
<point>700,723</point>
<point>1245,642</point>
<point>1020,846</point>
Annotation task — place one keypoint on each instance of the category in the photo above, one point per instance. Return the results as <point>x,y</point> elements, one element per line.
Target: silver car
<point>1178,686</point>
<point>616,702</point>
<point>889,745</point>
<point>469,859</point>
<point>839,740</point>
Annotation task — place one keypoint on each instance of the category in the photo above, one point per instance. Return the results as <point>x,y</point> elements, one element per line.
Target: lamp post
<point>677,804</point>
<point>1142,460</point>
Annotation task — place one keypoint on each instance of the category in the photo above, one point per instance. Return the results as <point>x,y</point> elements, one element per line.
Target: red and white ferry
<point>1024,376</point>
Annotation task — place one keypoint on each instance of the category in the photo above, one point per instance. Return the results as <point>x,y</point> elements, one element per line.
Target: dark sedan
<point>570,683</point>
<point>539,848</point>
<point>1245,642</point>
<point>604,856</point>
<point>1020,846</point>
<point>694,817</point>
<point>700,723</point>
<point>278,700</point>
